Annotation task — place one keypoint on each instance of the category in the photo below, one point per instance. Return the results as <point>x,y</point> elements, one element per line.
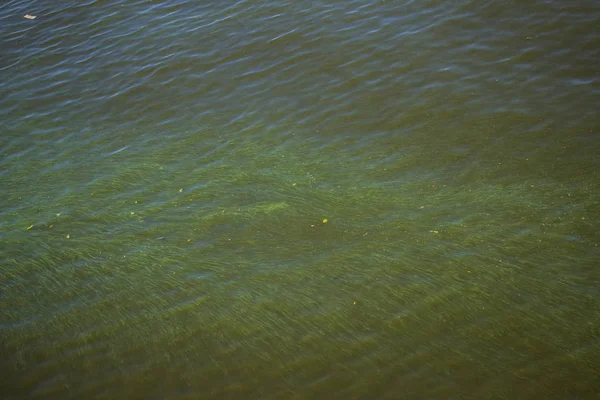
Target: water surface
<point>309,199</point>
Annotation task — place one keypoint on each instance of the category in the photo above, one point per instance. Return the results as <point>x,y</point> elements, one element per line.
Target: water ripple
<point>279,198</point>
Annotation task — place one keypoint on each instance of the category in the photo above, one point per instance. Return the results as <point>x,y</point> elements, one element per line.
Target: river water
<point>299,199</point>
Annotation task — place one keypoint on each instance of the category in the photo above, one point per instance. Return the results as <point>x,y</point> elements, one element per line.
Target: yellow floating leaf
<point>29,227</point>
<point>180,190</point>
<point>325,220</point>
<point>68,236</point>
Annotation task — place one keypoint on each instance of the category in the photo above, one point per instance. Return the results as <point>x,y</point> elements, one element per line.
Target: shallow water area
<point>288,200</point>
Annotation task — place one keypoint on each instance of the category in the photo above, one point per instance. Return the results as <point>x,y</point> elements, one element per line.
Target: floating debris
<point>29,16</point>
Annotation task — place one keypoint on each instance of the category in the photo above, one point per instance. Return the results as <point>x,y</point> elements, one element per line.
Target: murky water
<point>307,199</point>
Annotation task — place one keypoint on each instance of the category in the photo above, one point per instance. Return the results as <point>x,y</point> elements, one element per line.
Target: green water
<point>353,200</point>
